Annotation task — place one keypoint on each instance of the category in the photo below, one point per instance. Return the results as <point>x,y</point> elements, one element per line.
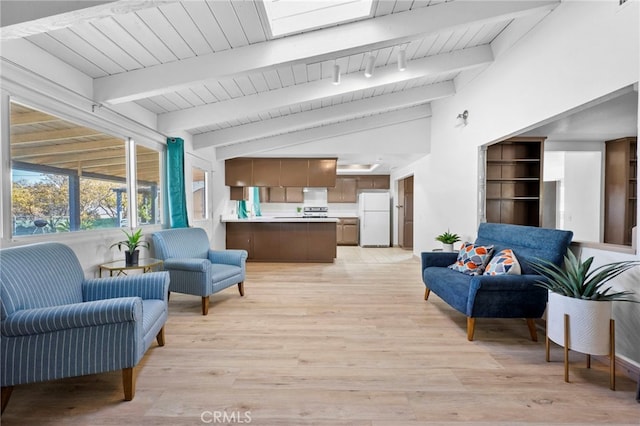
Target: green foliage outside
<point>47,199</point>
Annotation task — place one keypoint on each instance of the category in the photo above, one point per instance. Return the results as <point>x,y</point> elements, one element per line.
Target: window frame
<point>58,110</point>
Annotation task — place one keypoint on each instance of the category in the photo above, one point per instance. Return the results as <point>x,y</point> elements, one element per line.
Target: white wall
<point>580,52</point>
<point>548,72</point>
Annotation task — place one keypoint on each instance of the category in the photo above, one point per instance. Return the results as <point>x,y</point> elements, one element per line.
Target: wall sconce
<point>462,117</point>
<point>371,62</point>
<point>336,74</point>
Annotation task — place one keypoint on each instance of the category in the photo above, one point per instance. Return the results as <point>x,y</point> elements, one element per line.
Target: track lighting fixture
<point>336,74</point>
<point>402,59</point>
<point>371,62</point>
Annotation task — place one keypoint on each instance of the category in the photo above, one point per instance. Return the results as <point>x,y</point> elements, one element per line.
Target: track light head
<point>371,62</point>
<point>336,74</point>
<point>402,59</point>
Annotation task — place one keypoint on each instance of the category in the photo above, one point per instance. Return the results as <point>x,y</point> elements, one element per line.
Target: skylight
<point>292,16</point>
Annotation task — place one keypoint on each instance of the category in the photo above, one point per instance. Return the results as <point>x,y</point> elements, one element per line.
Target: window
<point>199,193</point>
<point>148,185</point>
<point>66,177</point>
<point>287,17</point>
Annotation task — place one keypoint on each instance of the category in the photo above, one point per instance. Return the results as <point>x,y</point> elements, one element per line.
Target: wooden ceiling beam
<point>33,117</point>
<point>232,109</point>
<point>30,151</point>
<point>54,135</point>
<point>310,47</point>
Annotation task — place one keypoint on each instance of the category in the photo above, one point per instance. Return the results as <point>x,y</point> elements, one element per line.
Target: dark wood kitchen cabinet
<point>266,172</point>
<point>322,173</point>
<point>373,182</point>
<point>294,172</point>
<point>285,172</point>
<point>238,172</point>
<point>293,241</point>
<point>282,195</point>
<point>345,190</point>
<point>347,231</point>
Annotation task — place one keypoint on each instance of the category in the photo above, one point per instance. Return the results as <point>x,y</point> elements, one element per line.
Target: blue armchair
<point>57,324</point>
<point>195,268</point>
<point>502,296</point>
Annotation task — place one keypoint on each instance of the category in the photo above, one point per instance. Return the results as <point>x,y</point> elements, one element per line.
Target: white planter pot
<point>588,323</point>
<point>447,247</point>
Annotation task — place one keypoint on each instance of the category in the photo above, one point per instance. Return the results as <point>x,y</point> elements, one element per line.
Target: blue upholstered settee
<point>502,296</point>
<point>195,268</point>
<point>57,324</point>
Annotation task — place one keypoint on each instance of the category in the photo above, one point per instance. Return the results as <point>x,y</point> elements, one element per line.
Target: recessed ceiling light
<point>356,168</point>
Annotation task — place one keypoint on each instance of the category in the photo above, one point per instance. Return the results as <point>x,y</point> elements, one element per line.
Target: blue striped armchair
<point>57,324</point>
<point>195,268</point>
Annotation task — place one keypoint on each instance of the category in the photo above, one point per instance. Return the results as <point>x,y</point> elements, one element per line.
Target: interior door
<point>400,211</point>
<point>407,223</point>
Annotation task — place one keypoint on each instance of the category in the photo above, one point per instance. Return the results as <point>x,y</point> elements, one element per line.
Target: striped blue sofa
<point>55,323</point>
<point>195,268</point>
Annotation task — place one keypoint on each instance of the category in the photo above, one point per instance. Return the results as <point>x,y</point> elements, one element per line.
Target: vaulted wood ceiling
<point>211,67</point>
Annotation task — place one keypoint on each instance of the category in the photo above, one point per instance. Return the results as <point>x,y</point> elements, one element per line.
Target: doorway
<point>405,213</point>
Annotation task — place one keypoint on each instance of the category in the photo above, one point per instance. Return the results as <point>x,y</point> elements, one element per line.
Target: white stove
<point>315,211</point>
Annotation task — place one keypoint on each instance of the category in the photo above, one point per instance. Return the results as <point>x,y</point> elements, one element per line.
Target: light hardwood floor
<point>349,343</point>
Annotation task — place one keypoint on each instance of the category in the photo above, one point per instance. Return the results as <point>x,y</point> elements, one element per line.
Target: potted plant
<point>582,295</point>
<point>133,241</point>
<point>447,239</point>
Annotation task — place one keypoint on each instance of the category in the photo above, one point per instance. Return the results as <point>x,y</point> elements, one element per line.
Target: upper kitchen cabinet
<point>344,192</point>
<point>281,172</point>
<point>294,172</point>
<point>373,182</point>
<point>266,172</point>
<point>322,172</point>
<point>238,172</point>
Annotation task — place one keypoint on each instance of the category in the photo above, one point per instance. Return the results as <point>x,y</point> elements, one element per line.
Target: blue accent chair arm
<point>187,264</point>
<point>153,285</point>
<point>437,258</point>
<point>86,314</point>
<point>228,257</point>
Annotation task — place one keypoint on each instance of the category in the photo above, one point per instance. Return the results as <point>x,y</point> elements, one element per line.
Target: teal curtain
<point>256,201</point>
<point>175,193</point>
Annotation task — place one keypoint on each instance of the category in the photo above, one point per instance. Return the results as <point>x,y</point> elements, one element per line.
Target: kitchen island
<point>283,239</point>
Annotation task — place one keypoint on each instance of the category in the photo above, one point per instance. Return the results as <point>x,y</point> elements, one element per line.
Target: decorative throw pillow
<point>503,263</point>
<point>472,259</point>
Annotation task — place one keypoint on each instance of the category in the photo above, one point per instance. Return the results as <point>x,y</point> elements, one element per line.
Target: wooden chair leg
<point>168,296</point>
<point>129,383</point>
<point>426,293</point>
<point>160,337</point>
<point>6,394</point>
<point>241,288</point>
<point>471,327</point>
<point>205,305</point>
<point>532,329</point>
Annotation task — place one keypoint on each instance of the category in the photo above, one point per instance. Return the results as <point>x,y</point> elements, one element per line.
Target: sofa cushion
<point>450,286</point>
<point>503,263</point>
<point>472,259</point>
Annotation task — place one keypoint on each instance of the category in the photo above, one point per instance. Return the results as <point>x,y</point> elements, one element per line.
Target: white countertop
<point>275,219</point>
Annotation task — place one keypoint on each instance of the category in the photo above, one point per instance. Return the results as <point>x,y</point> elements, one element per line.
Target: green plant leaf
<point>578,281</point>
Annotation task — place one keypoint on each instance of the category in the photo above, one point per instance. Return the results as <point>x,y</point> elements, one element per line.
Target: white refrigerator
<point>374,211</point>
